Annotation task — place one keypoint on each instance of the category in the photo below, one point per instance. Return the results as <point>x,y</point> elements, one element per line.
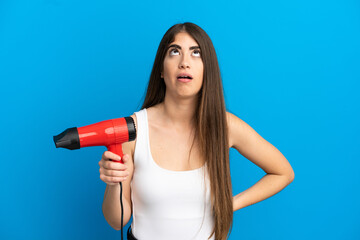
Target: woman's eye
<point>196,53</point>
<point>174,52</point>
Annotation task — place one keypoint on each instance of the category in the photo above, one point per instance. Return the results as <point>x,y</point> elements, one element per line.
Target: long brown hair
<point>210,122</point>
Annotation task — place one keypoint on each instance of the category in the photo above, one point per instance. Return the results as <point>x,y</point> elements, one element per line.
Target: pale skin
<point>171,133</point>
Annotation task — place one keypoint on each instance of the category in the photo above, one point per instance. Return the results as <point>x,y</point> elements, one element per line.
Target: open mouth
<point>184,78</point>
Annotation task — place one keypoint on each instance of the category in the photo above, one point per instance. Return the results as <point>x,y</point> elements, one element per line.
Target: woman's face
<point>183,67</point>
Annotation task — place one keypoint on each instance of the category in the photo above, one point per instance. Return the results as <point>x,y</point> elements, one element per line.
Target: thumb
<point>125,158</point>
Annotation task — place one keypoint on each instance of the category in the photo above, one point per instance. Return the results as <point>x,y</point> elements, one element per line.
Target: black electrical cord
<point>122,210</point>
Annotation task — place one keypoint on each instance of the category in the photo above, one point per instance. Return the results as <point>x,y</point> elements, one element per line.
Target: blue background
<point>290,70</point>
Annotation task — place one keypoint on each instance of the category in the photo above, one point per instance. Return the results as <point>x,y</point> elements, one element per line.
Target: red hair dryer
<point>110,133</point>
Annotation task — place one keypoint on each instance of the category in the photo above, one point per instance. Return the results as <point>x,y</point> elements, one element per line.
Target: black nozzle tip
<point>68,139</point>
<point>131,128</point>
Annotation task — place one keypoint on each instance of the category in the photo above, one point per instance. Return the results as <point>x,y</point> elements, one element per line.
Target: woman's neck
<point>179,112</point>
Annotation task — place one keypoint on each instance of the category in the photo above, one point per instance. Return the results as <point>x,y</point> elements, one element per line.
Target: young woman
<point>176,176</point>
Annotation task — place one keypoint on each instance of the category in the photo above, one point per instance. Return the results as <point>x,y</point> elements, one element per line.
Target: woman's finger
<point>113,173</point>
<point>114,165</point>
<point>108,179</point>
<point>126,158</point>
<point>107,155</point>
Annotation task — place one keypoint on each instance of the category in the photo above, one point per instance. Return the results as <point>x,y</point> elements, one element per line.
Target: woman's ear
<point>161,75</point>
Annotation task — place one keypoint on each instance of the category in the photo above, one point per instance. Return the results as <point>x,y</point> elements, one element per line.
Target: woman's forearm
<point>112,209</point>
<point>266,187</point>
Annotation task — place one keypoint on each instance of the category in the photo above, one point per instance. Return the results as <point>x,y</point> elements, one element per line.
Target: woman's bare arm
<point>252,146</point>
<point>111,204</point>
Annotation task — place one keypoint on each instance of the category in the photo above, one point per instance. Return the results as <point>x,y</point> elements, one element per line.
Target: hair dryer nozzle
<point>131,128</point>
<point>68,139</point>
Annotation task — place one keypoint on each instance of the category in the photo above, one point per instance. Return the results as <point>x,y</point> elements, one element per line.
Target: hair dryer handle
<point>117,149</point>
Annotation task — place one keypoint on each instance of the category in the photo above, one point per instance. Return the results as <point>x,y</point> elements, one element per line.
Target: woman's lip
<point>184,80</point>
<point>184,74</point>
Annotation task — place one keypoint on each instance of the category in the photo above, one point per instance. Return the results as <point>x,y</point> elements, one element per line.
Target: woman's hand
<point>113,172</point>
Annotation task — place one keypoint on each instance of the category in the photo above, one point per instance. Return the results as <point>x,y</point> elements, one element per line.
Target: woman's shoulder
<point>130,146</point>
<point>149,113</point>
<point>154,115</point>
<point>236,123</point>
<point>235,126</point>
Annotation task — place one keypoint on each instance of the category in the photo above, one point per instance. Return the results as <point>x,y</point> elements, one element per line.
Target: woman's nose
<point>184,62</point>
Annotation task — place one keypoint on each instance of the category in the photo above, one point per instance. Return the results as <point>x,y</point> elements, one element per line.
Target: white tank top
<point>167,204</point>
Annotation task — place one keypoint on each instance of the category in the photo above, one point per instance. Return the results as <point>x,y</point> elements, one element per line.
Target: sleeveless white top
<point>167,204</point>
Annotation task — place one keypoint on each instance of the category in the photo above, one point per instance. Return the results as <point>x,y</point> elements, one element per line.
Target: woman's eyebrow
<point>177,46</point>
